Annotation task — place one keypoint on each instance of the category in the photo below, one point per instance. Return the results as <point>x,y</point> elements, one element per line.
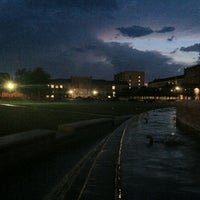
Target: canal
<point>159,161</point>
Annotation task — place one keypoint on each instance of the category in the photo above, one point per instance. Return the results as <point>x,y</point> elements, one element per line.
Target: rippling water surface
<point>167,168</point>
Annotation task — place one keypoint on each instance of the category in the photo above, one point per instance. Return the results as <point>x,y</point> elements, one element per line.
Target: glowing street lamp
<point>177,88</point>
<point>95,92</point>
<point>10,86</point>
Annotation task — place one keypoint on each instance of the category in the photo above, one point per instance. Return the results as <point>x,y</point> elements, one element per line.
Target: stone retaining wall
<point>19,146</point>
<point>188,114</point>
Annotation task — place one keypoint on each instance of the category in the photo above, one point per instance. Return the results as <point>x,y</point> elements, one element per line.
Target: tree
<point>37,76</point>
<point>33,83</point>
<point>4,77</point>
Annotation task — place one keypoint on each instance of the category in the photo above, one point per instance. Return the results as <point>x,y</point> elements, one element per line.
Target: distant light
<point>70,91</point>
<point>177,88</point>
<point>94,92</point>
<point>196,91</point>
<point>10,85</point>
<point>109,97</point>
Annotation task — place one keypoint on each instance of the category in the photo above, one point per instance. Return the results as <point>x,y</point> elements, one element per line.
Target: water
<point>162,169</point>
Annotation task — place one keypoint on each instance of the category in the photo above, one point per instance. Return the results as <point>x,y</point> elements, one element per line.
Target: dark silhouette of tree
<point>37,76</point>
<point>33,83</point>
<point>4,77</point>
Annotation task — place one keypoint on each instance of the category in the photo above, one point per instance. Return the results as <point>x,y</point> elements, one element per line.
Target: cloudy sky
<point>99,38</point>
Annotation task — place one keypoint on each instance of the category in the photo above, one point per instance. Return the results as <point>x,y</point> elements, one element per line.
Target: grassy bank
<point>17,116</point>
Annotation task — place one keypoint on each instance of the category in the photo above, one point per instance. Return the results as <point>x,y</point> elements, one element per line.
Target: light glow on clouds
<point>160,44</point>
<point>76,36</point>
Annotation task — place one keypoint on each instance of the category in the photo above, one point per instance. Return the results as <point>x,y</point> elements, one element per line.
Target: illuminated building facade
<point>83,87</point>
<point>132,78</point>
<point>165,82</point>
<point>186,86</point>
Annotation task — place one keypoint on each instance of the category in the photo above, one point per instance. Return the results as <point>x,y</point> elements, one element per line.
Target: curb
<point>25,145</point>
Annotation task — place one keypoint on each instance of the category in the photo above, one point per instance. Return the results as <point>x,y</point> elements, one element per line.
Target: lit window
<point>47,96</point>
<point>52,96</point>
<point>52,86</point>
<point>57,87</point>
<point>113,87</point>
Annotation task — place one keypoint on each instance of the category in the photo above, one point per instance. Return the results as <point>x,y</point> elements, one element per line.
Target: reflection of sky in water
<point>166,168</point>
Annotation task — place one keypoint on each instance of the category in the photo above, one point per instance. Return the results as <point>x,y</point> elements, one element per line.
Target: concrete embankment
<point>188,115</point>
<point>17,147</point>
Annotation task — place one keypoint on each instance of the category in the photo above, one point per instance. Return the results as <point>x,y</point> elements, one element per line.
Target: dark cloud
<point>166,29</point>
<point>61,36</point>
<point>174,51</point>
<point>83,4</point>
<point>154,64</point>
<point>135,31</point>
<point>171,38</point>
<point>139,31</point>
<point>195,47</point>
<point>114,57</point>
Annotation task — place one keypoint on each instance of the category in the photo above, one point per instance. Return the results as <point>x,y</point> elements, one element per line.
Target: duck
<point>170,140</point>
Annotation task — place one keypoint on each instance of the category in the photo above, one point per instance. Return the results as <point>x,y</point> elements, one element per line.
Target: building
<point>80,87</point>
<point>167,82</point>
<point>57,89</point>
<point>192,76</point>
<point>83,87</point>
<point>183,86</point>
<point>132,78</point>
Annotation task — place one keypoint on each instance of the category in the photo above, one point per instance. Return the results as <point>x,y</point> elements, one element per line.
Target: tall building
<point>192,75</point>
<point>132,78</point>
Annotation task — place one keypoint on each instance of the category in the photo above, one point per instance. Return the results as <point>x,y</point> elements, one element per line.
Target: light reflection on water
<point>160,168</point>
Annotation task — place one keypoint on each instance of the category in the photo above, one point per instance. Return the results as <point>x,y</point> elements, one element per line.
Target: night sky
<point>99,38</point>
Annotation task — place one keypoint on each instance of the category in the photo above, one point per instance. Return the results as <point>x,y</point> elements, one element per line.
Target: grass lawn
<point>32,115</point>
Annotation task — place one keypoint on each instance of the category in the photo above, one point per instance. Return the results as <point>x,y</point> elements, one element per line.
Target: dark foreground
<point>122,165</point>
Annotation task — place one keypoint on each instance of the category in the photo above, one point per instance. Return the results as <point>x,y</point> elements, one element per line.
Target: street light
<point>95,92</point>
<point>10,86</point>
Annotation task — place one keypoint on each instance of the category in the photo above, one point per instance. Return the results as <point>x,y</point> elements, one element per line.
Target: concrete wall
<point>17,147</point>
<point>188,115</point>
